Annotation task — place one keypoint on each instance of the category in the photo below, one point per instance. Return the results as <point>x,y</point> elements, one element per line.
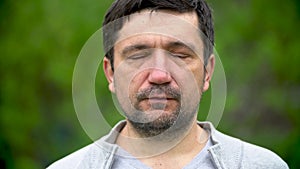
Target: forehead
<point>180,26</point>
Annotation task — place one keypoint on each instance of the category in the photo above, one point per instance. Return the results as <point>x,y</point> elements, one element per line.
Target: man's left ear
<point>209,69</point>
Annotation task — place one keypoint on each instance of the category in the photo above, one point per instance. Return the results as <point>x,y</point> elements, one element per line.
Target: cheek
<point>138,82</point>
<point>198,72</point>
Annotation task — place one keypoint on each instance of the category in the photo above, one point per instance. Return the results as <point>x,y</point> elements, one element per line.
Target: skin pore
<point>158,79</point>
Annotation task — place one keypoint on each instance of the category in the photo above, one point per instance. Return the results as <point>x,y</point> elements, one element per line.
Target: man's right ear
<point>109,74</point>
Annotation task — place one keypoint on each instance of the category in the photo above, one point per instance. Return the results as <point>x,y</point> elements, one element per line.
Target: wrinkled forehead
<point>180,26</point>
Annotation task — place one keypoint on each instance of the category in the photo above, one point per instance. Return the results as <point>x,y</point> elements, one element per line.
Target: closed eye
<point>139,55</point>
<point>180,55</point>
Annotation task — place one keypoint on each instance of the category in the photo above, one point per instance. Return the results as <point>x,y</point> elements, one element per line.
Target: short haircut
<point>120,9</point>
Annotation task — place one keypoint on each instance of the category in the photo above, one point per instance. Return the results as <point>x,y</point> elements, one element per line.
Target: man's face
<point>159,72</point>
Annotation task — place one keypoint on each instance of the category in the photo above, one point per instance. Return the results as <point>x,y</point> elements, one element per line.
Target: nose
<point>159,73</point>
<point>158,76</point>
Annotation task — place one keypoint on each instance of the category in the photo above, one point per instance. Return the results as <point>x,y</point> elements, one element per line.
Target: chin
<point>153,122</point>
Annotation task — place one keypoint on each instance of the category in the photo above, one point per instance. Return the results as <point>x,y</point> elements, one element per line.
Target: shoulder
<point>99,154</point>
<point>261,157</point>
<point>71,160</point>
<point>95,155</point>
<point>248,155</point>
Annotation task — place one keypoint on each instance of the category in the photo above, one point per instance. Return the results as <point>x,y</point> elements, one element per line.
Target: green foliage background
<point>257,40</point>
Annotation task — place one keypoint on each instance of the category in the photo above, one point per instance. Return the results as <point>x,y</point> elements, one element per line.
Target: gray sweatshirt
<point>226,153</point>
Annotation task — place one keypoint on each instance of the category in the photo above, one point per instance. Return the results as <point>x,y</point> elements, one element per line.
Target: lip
<point>158,99</point>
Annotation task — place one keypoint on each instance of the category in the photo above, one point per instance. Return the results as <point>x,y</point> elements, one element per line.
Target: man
<point>159,61</point>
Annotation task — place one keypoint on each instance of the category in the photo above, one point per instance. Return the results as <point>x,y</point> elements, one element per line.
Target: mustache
<point>165,91</point>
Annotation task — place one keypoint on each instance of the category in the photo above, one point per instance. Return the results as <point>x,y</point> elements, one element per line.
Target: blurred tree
<point>259,46</point>
<point>40,40</point>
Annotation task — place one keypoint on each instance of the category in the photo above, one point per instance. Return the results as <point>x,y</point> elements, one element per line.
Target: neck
<point>188,143</point>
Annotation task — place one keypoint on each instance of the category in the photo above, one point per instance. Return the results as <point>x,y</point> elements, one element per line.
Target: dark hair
<point>122,8</point>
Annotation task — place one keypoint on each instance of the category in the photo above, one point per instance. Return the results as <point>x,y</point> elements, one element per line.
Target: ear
<point>109,74</point>
<point>209,69</point>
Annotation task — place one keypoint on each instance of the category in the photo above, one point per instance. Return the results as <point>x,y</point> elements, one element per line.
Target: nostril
<point>159,76</point>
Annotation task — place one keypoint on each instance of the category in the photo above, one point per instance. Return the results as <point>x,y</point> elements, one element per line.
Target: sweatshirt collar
<point>107,143</point>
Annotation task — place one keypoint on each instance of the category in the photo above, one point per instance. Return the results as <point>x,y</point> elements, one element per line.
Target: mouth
<point>162,102</point>
<point>159,102</point>
<point>158,98</point>
<point>159,95</point>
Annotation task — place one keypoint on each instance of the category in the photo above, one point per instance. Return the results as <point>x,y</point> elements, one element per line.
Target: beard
<point>155,121</point>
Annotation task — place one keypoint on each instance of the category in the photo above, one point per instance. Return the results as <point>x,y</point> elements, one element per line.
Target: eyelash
<point>144,54</point>
<point>180,55</point>
<point>138,55</point>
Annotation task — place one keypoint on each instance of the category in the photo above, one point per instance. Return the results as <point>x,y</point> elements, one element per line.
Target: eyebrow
<point>170,45</point>
<point>133,48</point>
<point>177,44</point>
